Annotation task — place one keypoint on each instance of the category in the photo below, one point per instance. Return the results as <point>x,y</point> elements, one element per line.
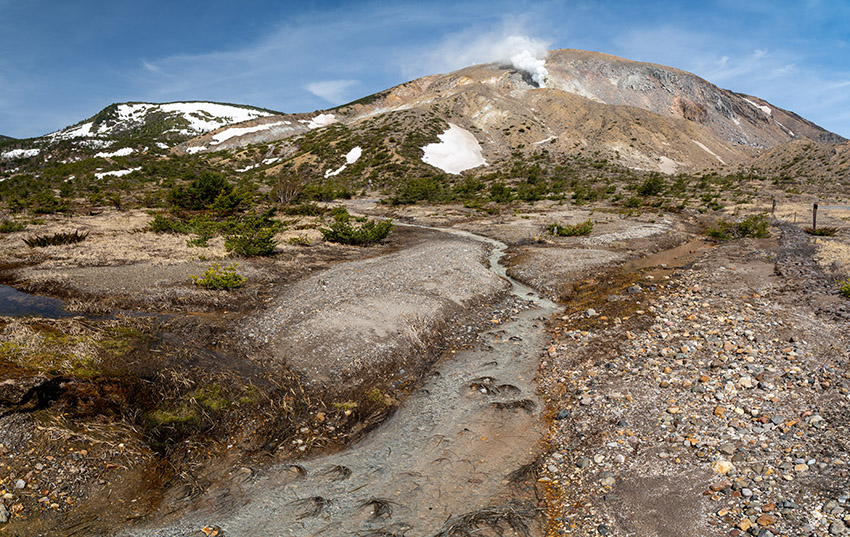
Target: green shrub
<point>253,236</point>
<point>582,228</point>
<point>10,226</point>
<point>652,186</point>
<point>844,287</point>
<point>420,189</point>
<point>501,193</point>
<point>364,232</point>
<point>632,203</point>
<point>163,224</point>
<point>752,226</point>
<point>209,190</point>
<point>219,278</point>
<point>824,231</point>
<point>46,203</point>
<point>304,209</point>
<point>40,241</point>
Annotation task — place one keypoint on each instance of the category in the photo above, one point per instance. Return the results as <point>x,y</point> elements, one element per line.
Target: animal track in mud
<point>311,507</point>
<point>490,386</point>
<point>337,473</point>
<point>526,404</point>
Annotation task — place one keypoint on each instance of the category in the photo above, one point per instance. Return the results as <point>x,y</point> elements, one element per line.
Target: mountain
<point>4,138</point>
<point>642,115</point>
<point>579,110</point>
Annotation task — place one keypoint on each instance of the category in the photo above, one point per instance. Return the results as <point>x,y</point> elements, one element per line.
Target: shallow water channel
<point>14,303</point>
<point>447,452</point>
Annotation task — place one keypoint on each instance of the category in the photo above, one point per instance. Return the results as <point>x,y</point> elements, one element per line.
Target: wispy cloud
<point>333,91</point>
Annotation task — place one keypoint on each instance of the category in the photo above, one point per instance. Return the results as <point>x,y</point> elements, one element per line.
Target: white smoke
<point>528,57</point>
<point>462,50</point>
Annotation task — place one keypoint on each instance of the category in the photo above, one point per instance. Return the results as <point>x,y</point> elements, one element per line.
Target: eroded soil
<point>167,402</point>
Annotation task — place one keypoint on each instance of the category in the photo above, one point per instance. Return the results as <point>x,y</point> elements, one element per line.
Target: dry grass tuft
<point>514,515</point>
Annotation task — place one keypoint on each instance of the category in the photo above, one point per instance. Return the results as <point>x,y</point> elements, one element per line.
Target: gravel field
<point>720,407</point>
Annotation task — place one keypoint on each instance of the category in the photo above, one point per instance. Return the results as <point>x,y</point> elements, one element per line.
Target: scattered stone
<point>4,514</point>
<point>722,466</point>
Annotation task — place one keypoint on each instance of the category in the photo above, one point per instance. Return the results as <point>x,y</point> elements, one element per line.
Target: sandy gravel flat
<point>357,314</point>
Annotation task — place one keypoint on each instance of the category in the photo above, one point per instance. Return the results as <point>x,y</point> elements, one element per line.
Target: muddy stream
<point>443,462</point>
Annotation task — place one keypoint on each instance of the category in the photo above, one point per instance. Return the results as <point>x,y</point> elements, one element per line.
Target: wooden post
<point>773,208</point>
<point>814,216</point>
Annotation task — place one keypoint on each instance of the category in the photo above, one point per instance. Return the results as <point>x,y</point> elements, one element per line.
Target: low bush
<point>10,226</point>
<point>304,209</point>
<point>253,236</point>
<point>652,186</point>
<point>361,233</point>
<point>824,231</point>
<point>575,230</point>
<point>219,278</point>
<point>40,241</point>
<point>844,288</point>
<point>752,226</point>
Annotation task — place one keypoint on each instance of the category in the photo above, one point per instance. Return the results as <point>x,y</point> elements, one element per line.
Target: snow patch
<point>763,108</point>
<point>162,145</point>
<point>667,165</point>
<point>21,153</point>
<point>117,173</point>
<point>123,152</point>
<point>458,150</point>
<point>350,158</point>
<point>549,139</point>
<point>709,151</point>
<point>224,135</point>
<point>322,120</point>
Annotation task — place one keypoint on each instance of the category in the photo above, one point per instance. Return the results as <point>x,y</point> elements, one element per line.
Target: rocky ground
<point>704,397</point>
<point>716,403</point>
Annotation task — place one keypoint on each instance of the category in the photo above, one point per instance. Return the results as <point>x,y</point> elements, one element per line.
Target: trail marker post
<point>814,216</point>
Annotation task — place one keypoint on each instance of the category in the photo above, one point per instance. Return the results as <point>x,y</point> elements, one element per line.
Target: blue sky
<point>62,61</point>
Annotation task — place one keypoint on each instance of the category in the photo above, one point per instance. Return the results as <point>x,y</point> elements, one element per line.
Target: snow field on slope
<point>458,150</point>
<point>117,173</point>
<point>123,152</point>
<point>202,117</point>
<point>21,153</point>
<point>225,135</point>
<point>350,158</point>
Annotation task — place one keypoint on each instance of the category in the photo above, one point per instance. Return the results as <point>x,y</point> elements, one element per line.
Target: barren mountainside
<point>643,115</point>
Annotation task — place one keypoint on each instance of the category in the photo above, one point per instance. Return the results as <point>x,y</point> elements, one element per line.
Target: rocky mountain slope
<point>491,119</point>
<point>642,115</point>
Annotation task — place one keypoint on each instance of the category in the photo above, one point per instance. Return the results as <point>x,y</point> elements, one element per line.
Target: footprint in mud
<point>379,507</point>
<point>336,473</point>
<point>526,404</point>
<point>491,386</point>
<point>310,507</point>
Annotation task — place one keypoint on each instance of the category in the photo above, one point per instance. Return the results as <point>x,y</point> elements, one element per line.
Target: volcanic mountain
<point>642,115</point>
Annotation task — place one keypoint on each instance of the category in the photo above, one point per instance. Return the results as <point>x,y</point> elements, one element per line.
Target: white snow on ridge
<point>202,117</point>
<point>123,152</point>
<point>21,153</point>
<point>458,150</point>
<point>763,108</point>
<point>322,120</point>
<point>117,173</point>
<point>350,158</point>
<point>222,136</point>
<point>709,151</point>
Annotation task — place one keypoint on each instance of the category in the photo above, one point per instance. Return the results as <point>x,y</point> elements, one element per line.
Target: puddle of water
<point>665,262</point>
<point>14,303</point>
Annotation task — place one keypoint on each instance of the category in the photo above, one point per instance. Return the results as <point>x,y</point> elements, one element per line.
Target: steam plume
<point>522,52</point>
